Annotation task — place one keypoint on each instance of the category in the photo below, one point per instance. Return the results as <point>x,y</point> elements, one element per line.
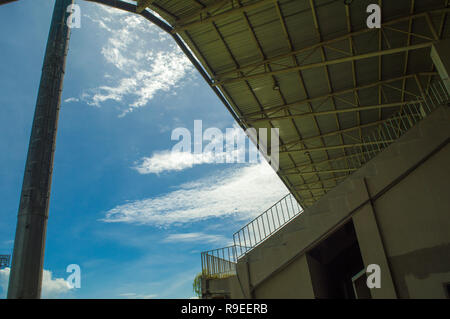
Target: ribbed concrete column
<point>28,255</point>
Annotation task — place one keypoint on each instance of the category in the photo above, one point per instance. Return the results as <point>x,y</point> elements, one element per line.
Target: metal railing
<point>266,224</point>
<point>220,263</point>
<point>384,134</point>
<point>399,123</point>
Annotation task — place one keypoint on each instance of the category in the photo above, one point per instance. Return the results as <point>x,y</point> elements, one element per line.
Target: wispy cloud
<point>175,160</point>
<point>242,192</point>
<point>146,61</point>
<point>51,287</point>
<point>195,237</point>
<point>71,99</point>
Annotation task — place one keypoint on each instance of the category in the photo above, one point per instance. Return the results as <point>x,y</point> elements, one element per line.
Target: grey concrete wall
<point>292,282</point>
<point>406,229</point>
<point>414,219</point>
<point>413,216</point>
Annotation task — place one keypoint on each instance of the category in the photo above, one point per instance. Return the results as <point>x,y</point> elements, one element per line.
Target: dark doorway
<point>336,266</point>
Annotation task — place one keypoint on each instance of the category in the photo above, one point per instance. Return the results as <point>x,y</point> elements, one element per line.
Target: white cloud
<point>193,237</point>
<point>51,287</point>
<point>146,60</point>
<point>71,99</point>
<point>172,161</point>
<point>175,160</point>
<point>242,192</point>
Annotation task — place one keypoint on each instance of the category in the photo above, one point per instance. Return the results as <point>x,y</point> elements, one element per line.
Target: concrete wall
<point>411,240</point>
<point>293,282</point>
<point>414,221</point>
<point>400,206</point>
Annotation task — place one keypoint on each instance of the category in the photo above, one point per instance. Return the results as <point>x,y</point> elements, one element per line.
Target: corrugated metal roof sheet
<point>311,50</point>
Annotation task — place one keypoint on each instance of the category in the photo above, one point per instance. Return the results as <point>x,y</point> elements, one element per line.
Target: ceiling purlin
<point>286,145</point>
<point>184,24</point>
<point>355,89</point>
<point>223,77</point>
<point>332,179</point>
<point>302,85</point>
<point>354,156</point>
<point>235,62</point>
<point>334,111</point>
<point>327,72</point>
<point>332,133</point>
<point>206,10</point>
<point>327,62</point>
<point>206,65</point>
<point>274,80</point>
<point>329,171</point>
<point>340,146</point>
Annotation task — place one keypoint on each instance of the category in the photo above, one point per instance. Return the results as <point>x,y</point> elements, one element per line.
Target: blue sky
<point>132,214</point>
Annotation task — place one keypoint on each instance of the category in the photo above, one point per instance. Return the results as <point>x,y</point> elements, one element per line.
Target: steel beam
<point>182,26</point>
<point>321,113</point>
<point>327,62</point>
<point>143,4</point>
<point>199,13</point>
<point>355,89</point>
<point>330,171</point>
<point>325,189</point>
<point>29,244</point>
<point>320,181</point>
<point>341,131</point>
<point>345,37</point>
<point>315,165</point>
<point>336,147</point>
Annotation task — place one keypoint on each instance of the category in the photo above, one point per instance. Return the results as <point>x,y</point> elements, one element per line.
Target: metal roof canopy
<point>312,68</point>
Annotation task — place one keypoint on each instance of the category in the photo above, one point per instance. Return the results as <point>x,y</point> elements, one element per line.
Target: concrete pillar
<point>440,54</point>
<point>243,271</point>
<point>28,255</point>
<point>372,251</point>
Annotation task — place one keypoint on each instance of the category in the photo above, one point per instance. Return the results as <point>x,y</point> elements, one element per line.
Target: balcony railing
<point>219,263</point>
<point>263,226</point>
